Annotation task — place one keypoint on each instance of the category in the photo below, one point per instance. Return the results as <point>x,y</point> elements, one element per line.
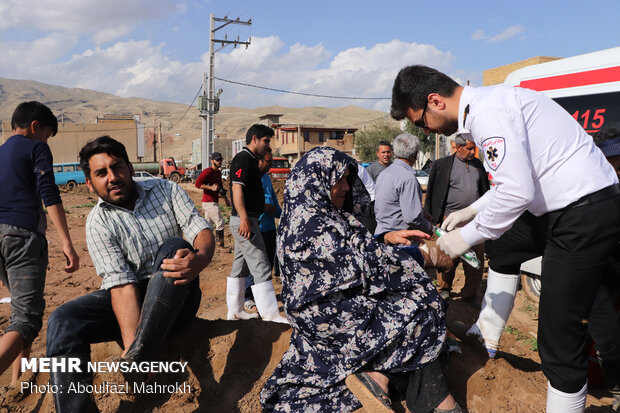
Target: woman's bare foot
<point>381,380</point>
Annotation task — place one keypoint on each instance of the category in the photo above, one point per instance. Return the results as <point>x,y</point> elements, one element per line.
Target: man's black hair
<point>260,131</point>
<point>27,112</point>
<point>102,144</point>
<point>383,143</point>
<point>412,86</point>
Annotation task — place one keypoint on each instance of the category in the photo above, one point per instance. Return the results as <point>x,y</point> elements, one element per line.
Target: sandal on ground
<point>369,393</point>
<point>250,306</point>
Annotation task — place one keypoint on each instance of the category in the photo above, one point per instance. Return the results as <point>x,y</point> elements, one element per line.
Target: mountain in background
<point>180,123</point>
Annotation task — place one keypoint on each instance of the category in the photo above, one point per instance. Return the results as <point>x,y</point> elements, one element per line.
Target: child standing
<point>26,178</point>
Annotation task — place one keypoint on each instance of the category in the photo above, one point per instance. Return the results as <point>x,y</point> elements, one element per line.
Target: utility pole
<point>154,144</point>
<point>161,146</point>
<point>209,103</point>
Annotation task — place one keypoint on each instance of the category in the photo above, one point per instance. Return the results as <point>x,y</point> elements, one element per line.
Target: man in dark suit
<point>455,182</point>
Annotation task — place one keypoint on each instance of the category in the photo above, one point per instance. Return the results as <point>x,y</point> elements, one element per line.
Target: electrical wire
<point>188,108</point>
<point>299,93</point>
<point>364,122</point>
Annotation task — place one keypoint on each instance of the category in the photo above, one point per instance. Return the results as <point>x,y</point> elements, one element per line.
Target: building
<point>71,137</point>
<point>221,145</point>
<point>293,140</point>
<point>497,75</point>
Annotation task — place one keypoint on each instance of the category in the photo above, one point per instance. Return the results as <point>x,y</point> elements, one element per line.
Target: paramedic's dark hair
<point>412,86</point>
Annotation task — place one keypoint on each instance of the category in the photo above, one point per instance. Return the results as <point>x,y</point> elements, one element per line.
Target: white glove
<point>459,218</point>
<point>453,244</point>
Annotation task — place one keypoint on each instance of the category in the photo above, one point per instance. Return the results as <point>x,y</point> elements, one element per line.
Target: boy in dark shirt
<point>26,178</point>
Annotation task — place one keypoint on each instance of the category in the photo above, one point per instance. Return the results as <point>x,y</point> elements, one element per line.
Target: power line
<point>365,121</point>
<point>299,93</point>
<point>188,108</point>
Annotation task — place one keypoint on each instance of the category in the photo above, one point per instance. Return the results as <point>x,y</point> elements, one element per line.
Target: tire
<point>175,177</point>
<point>71,185</point>
<point>531,285</point>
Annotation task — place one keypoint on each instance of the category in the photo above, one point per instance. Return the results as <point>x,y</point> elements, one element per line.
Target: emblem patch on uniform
<point>494,150</point>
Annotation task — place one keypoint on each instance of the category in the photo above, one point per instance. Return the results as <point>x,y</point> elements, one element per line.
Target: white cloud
<point>109,34</point>
<point>142,69</point>
<point>34,60</point>
<point>94,17</point>
<point>508,33</point>
<point>479,35</point>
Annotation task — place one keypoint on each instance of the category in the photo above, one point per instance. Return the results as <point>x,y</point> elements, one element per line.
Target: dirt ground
<point>229,361</point>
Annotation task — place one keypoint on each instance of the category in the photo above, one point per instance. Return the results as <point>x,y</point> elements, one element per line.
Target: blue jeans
<point>89,319</point>
<point>23,265</point>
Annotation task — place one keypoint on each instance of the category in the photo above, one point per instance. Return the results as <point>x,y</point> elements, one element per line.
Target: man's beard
<point>123,200</point>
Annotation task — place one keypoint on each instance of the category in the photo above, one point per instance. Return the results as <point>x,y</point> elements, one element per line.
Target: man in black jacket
<point>455,182</point>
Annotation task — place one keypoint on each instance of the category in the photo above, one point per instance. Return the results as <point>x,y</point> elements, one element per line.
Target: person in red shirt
<point>210,181</point>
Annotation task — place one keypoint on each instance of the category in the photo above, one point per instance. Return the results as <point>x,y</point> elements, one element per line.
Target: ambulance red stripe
<point>590,77</point>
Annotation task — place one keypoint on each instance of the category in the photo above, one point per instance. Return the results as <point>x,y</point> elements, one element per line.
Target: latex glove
<point>459,218</point>
<point>453,243</point>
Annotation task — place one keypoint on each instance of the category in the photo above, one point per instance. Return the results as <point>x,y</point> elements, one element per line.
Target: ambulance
<point>588,87</point>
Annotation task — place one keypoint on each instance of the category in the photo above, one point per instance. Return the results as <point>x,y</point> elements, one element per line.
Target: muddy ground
<point>229,361</point>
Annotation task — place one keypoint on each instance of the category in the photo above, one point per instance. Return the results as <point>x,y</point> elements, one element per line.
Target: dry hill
<point>179,125</point>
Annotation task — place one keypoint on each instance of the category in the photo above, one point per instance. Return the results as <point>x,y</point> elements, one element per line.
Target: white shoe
<point>496,307</point>
<point>560,402</point>
<point>235,288</point>
<point>266,302</point>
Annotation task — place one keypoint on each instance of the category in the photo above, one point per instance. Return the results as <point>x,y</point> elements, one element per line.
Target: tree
<point>427,142</point>
<point>366,141</point>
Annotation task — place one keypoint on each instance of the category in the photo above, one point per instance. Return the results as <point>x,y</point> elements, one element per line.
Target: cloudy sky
<point>158,49</point>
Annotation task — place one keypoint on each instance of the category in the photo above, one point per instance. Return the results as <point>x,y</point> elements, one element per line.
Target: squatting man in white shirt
<point>554,188</point>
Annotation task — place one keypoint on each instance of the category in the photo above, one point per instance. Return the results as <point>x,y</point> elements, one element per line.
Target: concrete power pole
<point>209,103</point>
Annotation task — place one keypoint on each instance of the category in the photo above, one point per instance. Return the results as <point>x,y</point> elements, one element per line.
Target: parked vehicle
<point>166,168</point>
<point>225,173</point>
<point>588,87</point>
<point>422,178</point>
<point>142,176</point>
<point>68,174</point>
<point>280,168</point>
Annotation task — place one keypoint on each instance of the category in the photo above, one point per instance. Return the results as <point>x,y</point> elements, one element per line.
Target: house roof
<point>290,127</point>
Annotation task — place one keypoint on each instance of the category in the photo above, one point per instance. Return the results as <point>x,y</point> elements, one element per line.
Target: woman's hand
<point>405,236</point>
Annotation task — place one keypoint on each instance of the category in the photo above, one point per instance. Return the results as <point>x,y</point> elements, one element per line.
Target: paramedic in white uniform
<point>545,163</point>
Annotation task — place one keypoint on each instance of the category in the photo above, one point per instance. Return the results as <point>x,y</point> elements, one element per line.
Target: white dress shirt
<point>541,159</point>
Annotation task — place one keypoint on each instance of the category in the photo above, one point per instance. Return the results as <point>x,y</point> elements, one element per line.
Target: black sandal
<point>369,393</point>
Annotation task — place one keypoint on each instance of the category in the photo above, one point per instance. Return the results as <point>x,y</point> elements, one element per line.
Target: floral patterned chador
<point>353,302</point>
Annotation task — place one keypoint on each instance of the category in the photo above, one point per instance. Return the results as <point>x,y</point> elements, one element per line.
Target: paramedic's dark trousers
<point>576,243</point>
<point>89,319</point>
